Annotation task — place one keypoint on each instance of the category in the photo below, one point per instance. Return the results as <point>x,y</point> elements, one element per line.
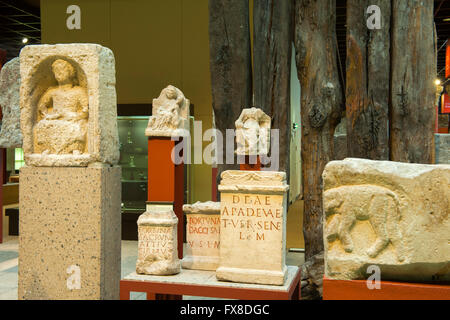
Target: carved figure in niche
<point>170,112</point>
<point>62,115</point>
<point>380,206</point>
<point>253,132</point>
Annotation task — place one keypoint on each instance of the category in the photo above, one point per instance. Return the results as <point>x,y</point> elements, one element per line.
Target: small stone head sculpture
<point>171,93</point>
<point>64,72</point>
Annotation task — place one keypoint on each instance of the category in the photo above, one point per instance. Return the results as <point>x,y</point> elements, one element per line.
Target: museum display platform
<point>358,290</point>
<point>205,284</point>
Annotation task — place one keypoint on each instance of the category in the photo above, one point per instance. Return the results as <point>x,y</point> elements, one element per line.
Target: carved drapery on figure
<point>68,105</point>
<point>62,115</point>
<point>170,115</point>
<point>253,133</point>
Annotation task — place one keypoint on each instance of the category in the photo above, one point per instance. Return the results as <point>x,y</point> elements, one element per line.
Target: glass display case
<point>134,162</point>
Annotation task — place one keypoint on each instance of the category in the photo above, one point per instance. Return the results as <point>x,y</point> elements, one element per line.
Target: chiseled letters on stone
<point>253,227</point>
<point>157,247</point>
<point>202,236</point>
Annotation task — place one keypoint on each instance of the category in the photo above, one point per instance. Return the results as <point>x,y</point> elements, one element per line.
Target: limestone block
<point>70,233</point>
<point>253,133</point>
<point>68,105</point>
<point>392,215</point>
<point>170,114</point>
<point>157,247</point>
<point>10,134</point>
<point>202,236</point>
<point>253,227</point>
<point>443,148</point>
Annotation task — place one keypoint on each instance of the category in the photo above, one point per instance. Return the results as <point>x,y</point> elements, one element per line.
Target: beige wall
<point>155,43</point>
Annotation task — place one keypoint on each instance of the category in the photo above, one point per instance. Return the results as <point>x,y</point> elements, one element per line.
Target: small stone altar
<point>253,227</point>
<point>202,236</point>
<point>157,247</point>
<point>395,216</point>
<point>70,208</point>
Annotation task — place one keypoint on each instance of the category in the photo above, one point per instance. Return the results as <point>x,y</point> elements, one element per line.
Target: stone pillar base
<point>70,233</point>
<point>270,277</point>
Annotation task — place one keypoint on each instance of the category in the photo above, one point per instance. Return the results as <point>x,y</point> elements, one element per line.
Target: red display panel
<point>445,105</point>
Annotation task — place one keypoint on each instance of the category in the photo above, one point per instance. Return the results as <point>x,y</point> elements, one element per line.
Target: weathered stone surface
<point>253,227</point>
<point>157,248</point>
<point>253,133</point>
<point>68,105</point>
<point>70,233</point>
<point>202,236</point>
<point>170,116</point>
<point>443,148</point>
<point>10,134</point>
<point>393,215</point>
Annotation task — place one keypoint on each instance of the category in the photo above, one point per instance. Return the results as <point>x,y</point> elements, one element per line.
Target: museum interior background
<point>157,43</point>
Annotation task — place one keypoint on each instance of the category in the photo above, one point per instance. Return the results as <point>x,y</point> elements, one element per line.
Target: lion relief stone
<point>378,205</point>
<point>395,216</point>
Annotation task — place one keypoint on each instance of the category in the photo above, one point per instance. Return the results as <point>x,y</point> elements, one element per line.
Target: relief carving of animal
<point>346,205</point>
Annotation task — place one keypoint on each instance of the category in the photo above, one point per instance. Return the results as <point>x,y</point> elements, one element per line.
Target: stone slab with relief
<point>68,105</point>
<point>202,236</point>
<point>253,227</point>
<point>253,133</point>
<point>10,134</point>
<point>392,215</point>
<point>170,114</point>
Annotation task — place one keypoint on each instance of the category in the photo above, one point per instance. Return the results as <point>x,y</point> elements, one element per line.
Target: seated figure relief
<point>62,115</point>
<point>169,113</point>
<point>346,205</point>
<point>253,132</point>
